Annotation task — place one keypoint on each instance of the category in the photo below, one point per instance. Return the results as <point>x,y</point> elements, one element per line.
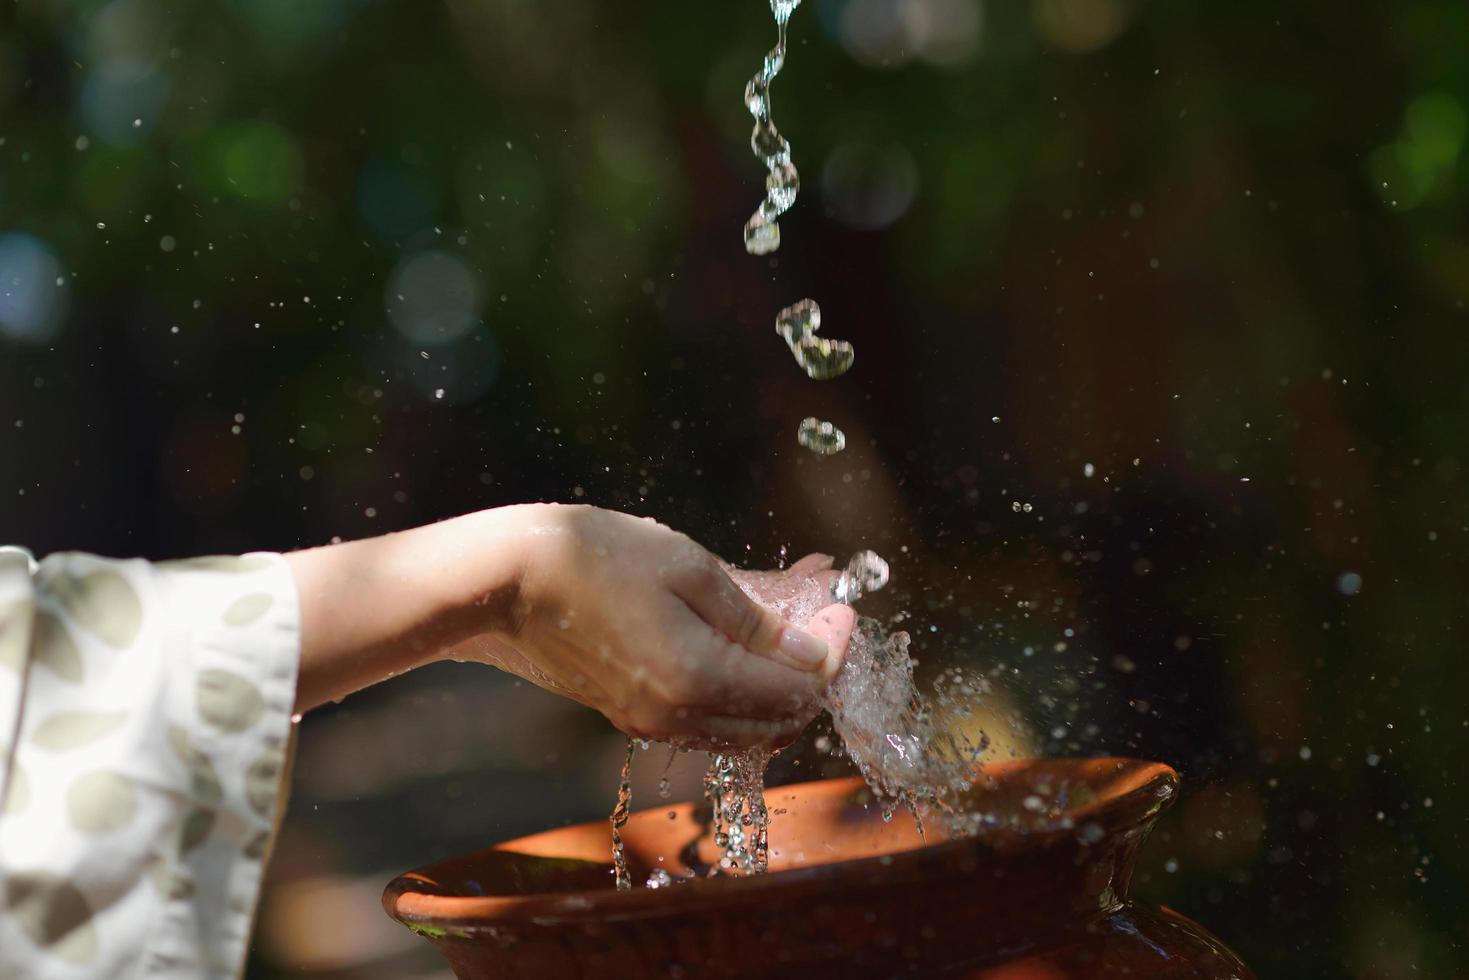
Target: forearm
<point>374,608</point>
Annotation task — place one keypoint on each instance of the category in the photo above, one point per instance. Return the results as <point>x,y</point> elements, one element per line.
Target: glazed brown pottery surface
<point>1040,895</point>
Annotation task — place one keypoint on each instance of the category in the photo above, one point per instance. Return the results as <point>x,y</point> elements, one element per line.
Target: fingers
<point>715,691</point>
<point>705,673</point>
<point>834,625</point>
<point>714,598</point>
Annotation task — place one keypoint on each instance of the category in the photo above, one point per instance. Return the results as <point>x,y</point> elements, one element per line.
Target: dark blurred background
<point>1188,278</point>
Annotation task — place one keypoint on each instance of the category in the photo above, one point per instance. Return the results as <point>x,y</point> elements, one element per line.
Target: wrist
<point>474,568</point>
<point>382,606</point>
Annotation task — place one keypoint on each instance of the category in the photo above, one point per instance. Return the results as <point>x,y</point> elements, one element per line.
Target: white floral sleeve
<point>145,728</point>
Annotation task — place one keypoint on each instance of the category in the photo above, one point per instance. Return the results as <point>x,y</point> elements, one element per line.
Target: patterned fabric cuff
<point>146,719</point>
<point>231,727</point>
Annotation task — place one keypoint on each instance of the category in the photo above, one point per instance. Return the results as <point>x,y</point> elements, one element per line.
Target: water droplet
<point>1088,471</point>
<point>782,186</point>
<point>757,97</point>
<point>768,144</point>
<point>761,236</point>
<point>798,320</point>
<point>866,573</point>
<point>820,357</point>
<point>820,437</point>
<point>824,359</point>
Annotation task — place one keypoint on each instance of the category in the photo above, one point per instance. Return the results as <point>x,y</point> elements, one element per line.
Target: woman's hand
<point>617,612</point>
<point>639,622</point>
<point>797,593</point>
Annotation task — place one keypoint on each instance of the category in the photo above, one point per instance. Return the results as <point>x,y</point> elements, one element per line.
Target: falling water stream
<point>820,357</point>
<point>782,182</point>
<point>885,727</point>
<point>619,820</point>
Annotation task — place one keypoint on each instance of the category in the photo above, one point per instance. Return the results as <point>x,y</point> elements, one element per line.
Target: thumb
<point>717,600</point>
<point>834,624</point>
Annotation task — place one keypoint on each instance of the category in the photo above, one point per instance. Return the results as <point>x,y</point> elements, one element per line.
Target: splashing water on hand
<point>886,728</point>
<point>867,572</point>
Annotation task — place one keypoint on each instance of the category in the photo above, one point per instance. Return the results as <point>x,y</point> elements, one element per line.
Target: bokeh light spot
<point>433,298</point>
<point>869,187</point>
<point>889,33</point>
<point>31,302</point>
<point>257,161</point>
<point>1407,171</point>
<point>393,200</point>
<point>1081,26</point>
<point>122,99</point>
<point>951,32</point>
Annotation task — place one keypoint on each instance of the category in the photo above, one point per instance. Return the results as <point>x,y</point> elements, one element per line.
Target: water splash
<point>782,182</point>
<point>820,437</point>
<point>889,731</point>
<point>865,573</point>
<point>821,358</point>
<point>619,817</point>
<point>912,751</point>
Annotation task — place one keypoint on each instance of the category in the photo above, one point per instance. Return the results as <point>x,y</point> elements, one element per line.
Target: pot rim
<point>1134,792</point>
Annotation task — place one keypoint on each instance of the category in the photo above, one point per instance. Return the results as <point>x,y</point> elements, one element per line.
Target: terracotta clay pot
<point>1041,895</point>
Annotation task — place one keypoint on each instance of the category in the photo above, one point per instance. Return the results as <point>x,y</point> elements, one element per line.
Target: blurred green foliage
<point>1216,250</point>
